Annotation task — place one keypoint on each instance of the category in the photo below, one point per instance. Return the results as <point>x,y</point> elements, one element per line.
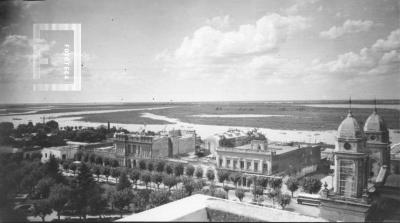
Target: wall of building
<point>160,148</point>
<point>260,163</point>
<point>64,152</point>
<point>182,145</point>
<point>296,160</point>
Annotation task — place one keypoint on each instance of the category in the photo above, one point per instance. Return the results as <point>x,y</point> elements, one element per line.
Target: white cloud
<point>214,53</point>
<point>349,26</point>
<point>382,58</point>
<point>267,34</point>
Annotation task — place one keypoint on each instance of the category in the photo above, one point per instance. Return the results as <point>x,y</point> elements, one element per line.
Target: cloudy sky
<point>186,50</point>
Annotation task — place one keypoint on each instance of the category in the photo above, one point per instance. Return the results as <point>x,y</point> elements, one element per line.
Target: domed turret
<point>375,123</point>
<point>349,128</point>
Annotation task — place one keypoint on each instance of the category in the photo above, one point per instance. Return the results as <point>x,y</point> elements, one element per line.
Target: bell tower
<point>378,144</point>
<point>351,158</point>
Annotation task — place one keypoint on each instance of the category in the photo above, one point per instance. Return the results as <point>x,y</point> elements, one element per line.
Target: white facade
<point>60,152</point>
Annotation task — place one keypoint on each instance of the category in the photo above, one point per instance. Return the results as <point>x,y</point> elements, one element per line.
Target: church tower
<point>378,145</point>
<point>351,159</point>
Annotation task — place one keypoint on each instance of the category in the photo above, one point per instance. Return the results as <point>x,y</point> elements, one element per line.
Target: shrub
<point>221,194</point>
<point>239,193</point>
<point>311,185</point>
<point>178,169</point>
<point>150,165</point>
<point>160,166</point>
<point>284,200</point>
<point>199,172</point>
<point>210,175</point>
<point>169,169</point>
<point>190,170</point>
<point>292,184</point>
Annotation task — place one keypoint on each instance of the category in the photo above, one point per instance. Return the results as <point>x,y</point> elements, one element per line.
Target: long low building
<point>59,152</point>
<point>130,148</point>
<point>260,158</point>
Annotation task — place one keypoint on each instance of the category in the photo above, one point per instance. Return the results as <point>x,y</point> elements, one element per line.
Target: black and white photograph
<point>200,110</point>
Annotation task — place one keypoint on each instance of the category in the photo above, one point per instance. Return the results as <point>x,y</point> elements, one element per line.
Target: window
<point>234,164</point>
<point>255,166</point>
<point>242,165</point>
<point>346,178</point>
<point>248,165</point>
<point>45,155</point>
<point>220,162</point>
<point>228,163</point>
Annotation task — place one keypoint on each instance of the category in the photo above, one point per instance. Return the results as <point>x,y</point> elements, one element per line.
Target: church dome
<point>349,128</point>
<point>375,123</point>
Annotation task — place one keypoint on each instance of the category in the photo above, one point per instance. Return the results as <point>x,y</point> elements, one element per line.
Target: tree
<point>262,181</point>
<point>199,172</point>
<point>190,170</point>
<point>272,195</point>
<point>311,185</point>
<point>150,165</point>
<point>199,184</point>
<point>106,172</point>
<point>51,169</point>
<point>53,125</point>
<point>239,193</point>
<point>146,177</point>
<point>96,170</point>
<point>92,157</point>
<point>107,161</point>
<point>257,191</point>
<point>83,189</point>
<point>114,163</point>
<point>284,200</point>
<point>123,182</point>
<point>160,166</point>
<point>292,184</point>
<point>235,178</point>
<point>142,164</point>
<point>169,168</point>
<point>178,169</point>
<point>99,160</point>
<point>222,176</point>
<point>276,183</point>
<point>42,188</point>
<point>189,185</point>
<point>73,167</point>
<point>115,173</point>
<point>122,199</point>
<point>78,156</point>
<point>59,197</point>
<point>135,176</point>
<point>42,208</point>
<point>210,175</point>
<point>169,181</point>
<point>157,178</point>
<point>158,198</point>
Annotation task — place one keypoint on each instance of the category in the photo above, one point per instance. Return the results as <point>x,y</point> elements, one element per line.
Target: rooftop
<point>205,208</point>
<point>278,148</point>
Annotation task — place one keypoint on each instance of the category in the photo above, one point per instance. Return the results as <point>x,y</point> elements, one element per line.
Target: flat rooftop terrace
<point>206,209</point>
<point>278,148</point>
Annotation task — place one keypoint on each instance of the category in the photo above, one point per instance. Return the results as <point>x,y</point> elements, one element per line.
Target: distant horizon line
<point>219,101</point>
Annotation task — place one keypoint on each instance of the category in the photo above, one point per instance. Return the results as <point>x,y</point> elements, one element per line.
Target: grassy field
<point>297,116</point>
